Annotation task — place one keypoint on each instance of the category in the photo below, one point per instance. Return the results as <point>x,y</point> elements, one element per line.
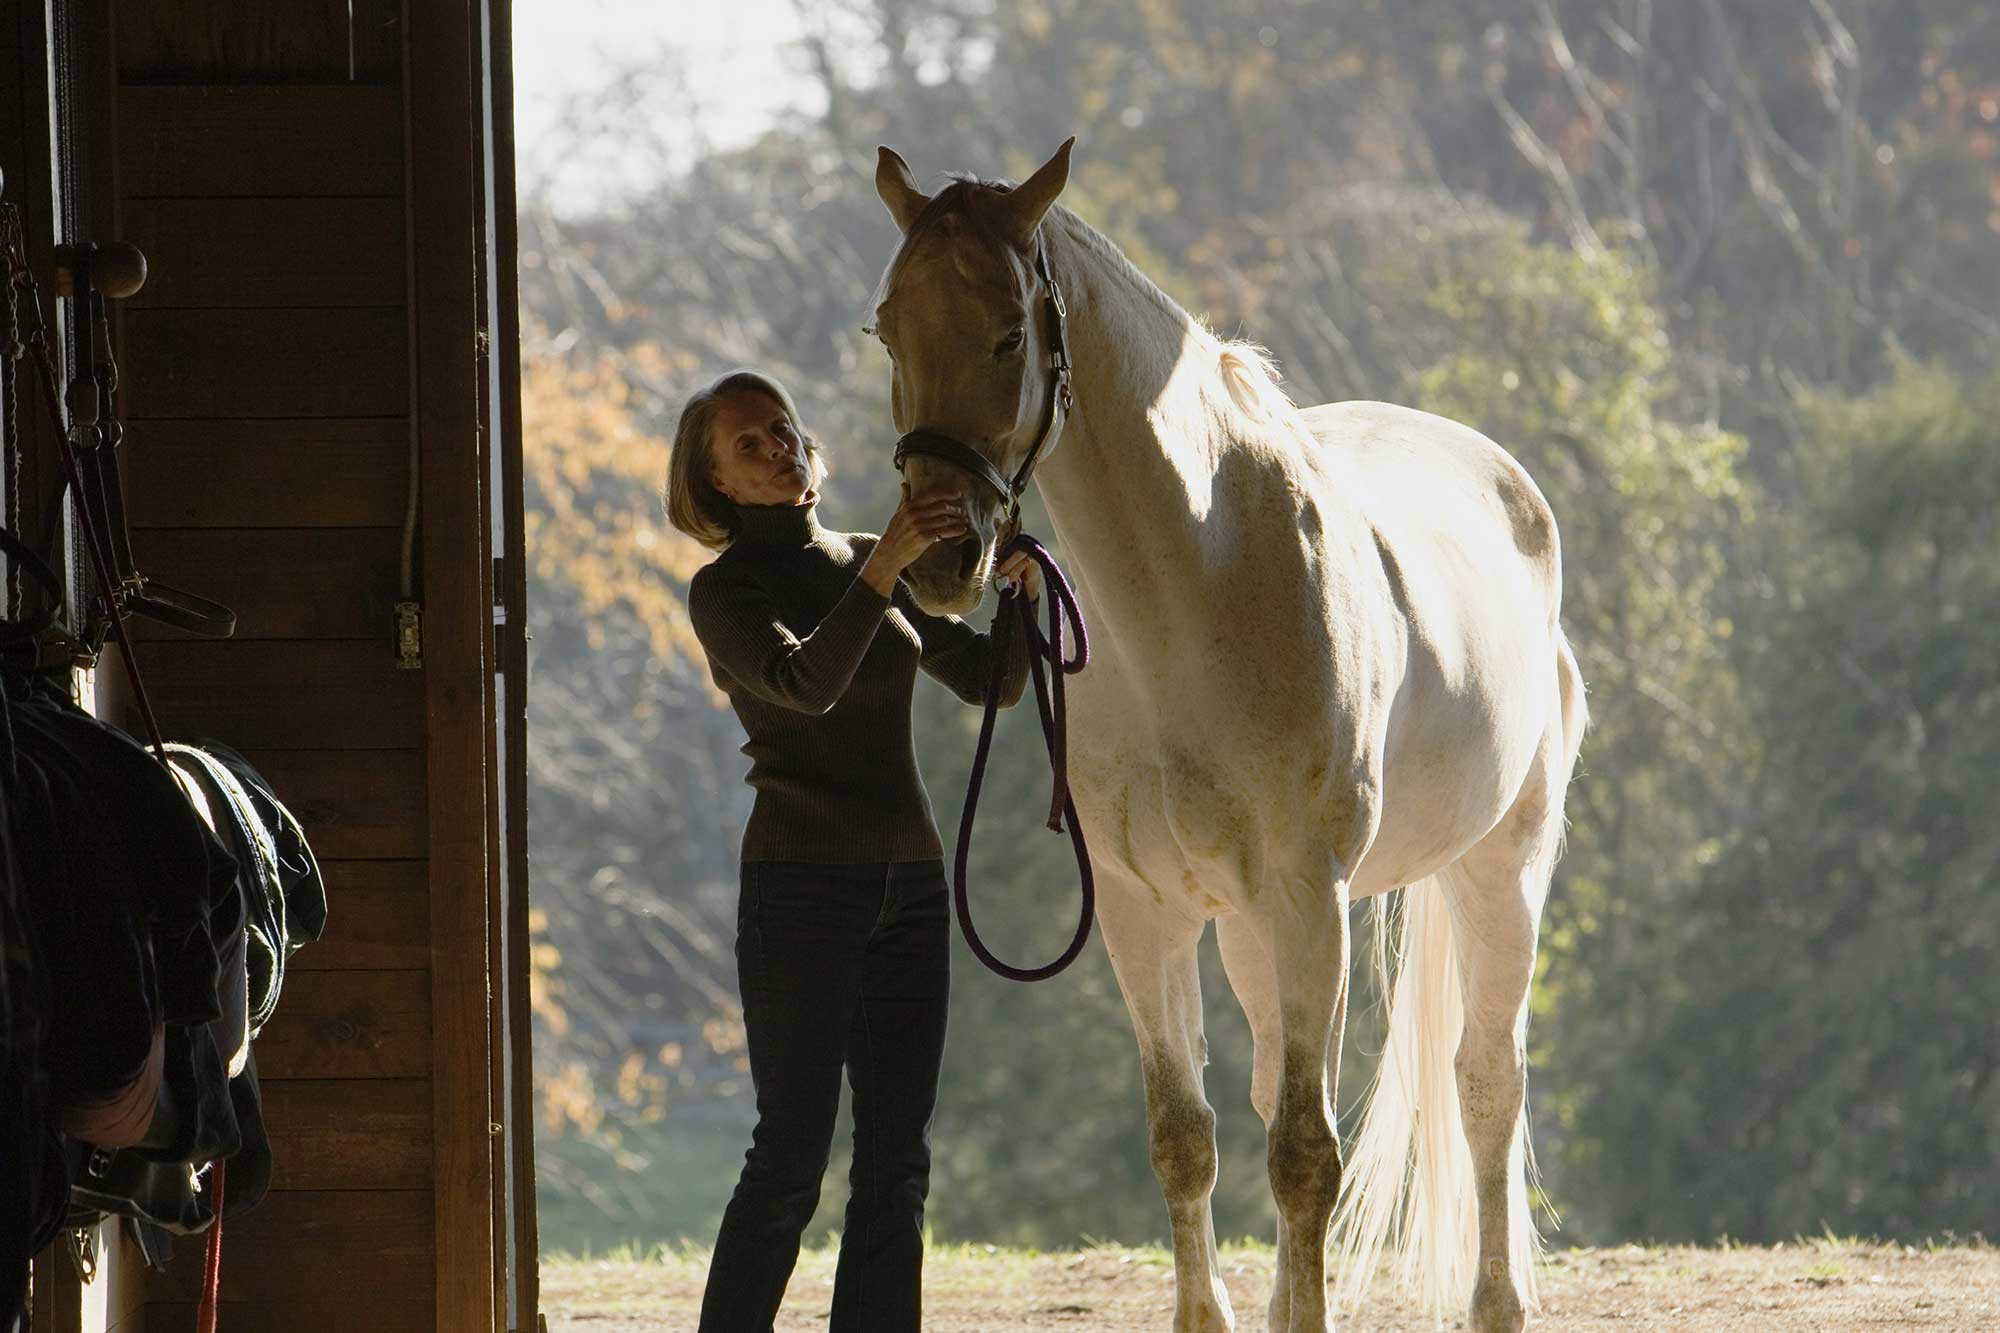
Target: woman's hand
<point>913,529</point>
<point>1020,571</point>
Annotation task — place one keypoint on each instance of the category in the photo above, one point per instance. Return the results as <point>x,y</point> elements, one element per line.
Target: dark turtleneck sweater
<point>819,668</point>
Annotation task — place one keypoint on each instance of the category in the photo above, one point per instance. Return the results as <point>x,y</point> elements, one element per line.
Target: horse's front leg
<point>1153,953</point>
<point>1305,937</point>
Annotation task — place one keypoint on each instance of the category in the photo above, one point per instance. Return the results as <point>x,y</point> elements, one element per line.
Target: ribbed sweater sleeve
<point>739,625</point>
<point>961,657</point>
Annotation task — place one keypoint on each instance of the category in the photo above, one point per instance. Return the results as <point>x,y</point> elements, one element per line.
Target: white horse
<point>1326,663</point>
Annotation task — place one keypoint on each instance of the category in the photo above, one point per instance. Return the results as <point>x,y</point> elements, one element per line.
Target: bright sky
<point>736,54</point>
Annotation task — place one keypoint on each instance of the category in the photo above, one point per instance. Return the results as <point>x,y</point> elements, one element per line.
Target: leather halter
<point>935,444</point>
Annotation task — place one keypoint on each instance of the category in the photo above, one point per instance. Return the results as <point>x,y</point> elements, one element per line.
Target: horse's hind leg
<point>1493,922</point>
<point>1153,954</point>
<point>1495,894</point>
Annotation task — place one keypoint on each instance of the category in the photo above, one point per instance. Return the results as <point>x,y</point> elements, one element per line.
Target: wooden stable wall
<point>311,183</point>
<point>268,367</point>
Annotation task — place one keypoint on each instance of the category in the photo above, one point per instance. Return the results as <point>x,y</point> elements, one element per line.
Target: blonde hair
<point>693,504</point>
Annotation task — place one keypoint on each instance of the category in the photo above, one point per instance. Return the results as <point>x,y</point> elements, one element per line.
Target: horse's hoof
<point>1209,1316</point>
<point>1207,1321</point>
<point>1496,1306</point>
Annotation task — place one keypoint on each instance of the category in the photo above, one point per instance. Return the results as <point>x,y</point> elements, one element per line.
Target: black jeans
<point>839,965</point>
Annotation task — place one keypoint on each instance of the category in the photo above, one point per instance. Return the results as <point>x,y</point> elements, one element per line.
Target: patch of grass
<point>826,1250</point>
<point>1951,1240</point>
<point>633,1252</point>
<point>1829,1239</point>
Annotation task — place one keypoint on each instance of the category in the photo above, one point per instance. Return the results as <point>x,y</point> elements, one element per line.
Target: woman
<point>842,929</point>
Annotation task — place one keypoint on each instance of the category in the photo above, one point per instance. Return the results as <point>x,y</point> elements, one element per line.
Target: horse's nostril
<point>968,557</point>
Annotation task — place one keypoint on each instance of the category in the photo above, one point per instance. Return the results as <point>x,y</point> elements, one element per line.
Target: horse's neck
<point>1134,474</point>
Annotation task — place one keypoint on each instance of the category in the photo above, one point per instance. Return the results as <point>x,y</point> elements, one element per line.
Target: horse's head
<point>961,315</point>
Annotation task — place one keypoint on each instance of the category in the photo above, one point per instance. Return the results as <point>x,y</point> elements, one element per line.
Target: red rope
<point>211,1272</point>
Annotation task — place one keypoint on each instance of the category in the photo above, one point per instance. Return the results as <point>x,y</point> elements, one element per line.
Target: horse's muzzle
<point>950,578</point>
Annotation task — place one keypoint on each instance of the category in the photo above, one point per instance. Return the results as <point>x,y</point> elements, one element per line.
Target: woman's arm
<point>739,626</point>
<point>961,657</point>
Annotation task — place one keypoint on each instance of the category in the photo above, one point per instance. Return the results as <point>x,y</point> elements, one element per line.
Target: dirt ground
<point>1817,1285</point>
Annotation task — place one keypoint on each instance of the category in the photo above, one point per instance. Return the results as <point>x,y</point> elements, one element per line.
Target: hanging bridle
<point>1042,648</point>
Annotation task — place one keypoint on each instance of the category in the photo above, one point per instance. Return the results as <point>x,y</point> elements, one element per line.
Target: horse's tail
<point>1406,1188</point>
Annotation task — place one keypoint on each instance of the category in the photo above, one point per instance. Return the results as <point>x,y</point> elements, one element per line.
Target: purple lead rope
<point>1044,651</point>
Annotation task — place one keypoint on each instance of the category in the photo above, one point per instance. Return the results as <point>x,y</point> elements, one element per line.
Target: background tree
<point>1723,276</point>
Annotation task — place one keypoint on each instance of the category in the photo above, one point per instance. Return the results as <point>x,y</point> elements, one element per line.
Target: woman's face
<point>757,455</point>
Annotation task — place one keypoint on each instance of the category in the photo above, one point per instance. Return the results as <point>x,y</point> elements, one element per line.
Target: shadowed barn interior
<point>319,389</point>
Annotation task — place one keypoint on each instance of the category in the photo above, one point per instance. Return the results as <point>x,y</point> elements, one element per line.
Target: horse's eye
<point>1010,343</point>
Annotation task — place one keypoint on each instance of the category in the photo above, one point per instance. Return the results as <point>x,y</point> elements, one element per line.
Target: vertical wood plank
<point>440,57</point>
<point>484,296</point>
<point>518,1096</point>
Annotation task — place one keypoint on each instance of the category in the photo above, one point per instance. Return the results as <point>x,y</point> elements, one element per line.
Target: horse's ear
<point>1028,201</point>
<point>898,188</point>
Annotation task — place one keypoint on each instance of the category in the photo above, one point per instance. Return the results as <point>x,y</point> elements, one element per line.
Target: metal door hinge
<point>409,635</point>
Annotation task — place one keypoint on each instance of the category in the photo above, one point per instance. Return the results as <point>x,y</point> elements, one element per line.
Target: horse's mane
<point>1247,369</point>
<point>1253,379</point>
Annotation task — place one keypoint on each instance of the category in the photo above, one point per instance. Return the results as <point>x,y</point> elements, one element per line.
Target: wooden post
<point>513,595</point>
<point>444,119</point>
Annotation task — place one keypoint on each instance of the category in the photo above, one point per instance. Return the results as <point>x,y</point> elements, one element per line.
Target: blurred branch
<point>1592,96</point>
<point>1760,139</point>
<point>1545,160</point>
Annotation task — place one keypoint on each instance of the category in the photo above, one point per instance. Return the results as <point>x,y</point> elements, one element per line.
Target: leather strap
<point>935,444</point>
<point>942,447</point>
<point>183,610</point>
